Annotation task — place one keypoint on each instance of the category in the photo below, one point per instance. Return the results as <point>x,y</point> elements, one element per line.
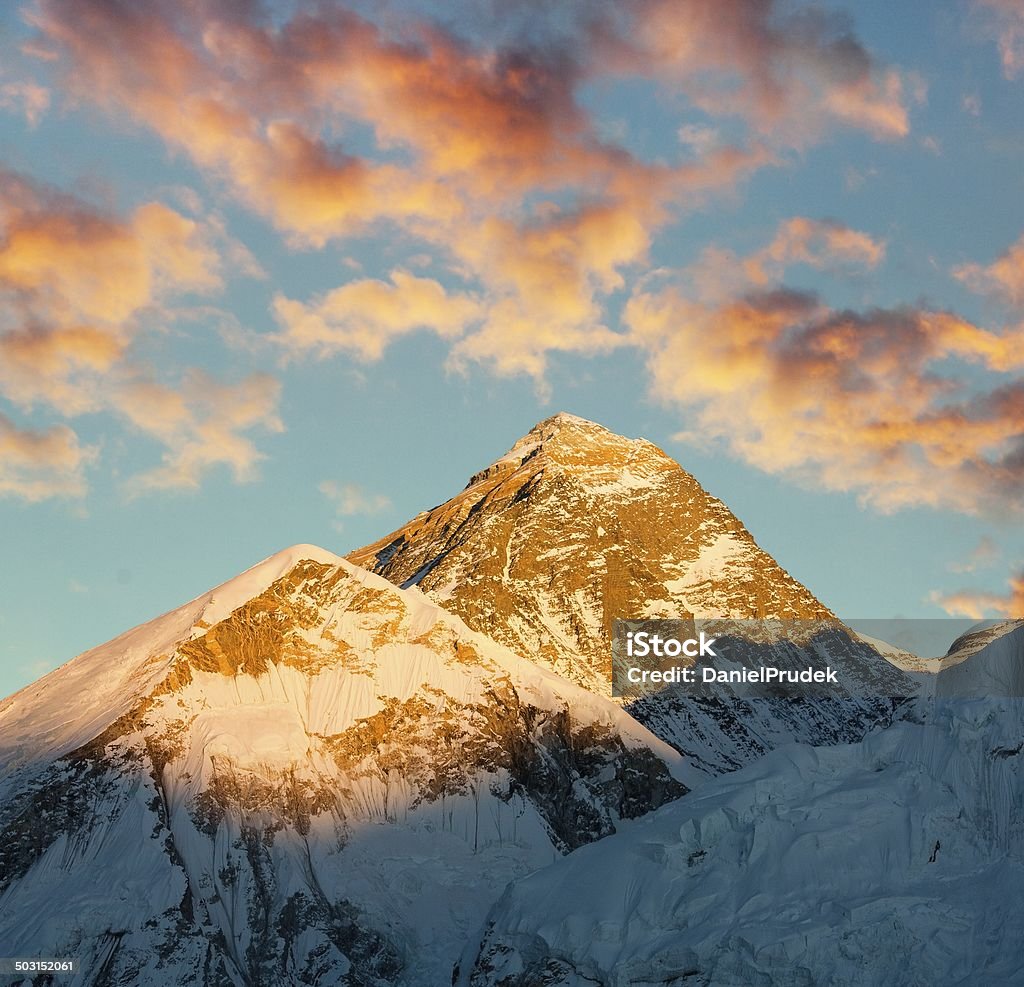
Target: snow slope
<point>305,776</point>
<point>75,702</point>
<point>896,860</point>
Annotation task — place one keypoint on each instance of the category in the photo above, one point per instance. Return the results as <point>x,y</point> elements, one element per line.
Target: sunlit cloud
<point>983,555</point>
<point>1004,277</point>
<point>363,317</point>
<point>350,499</point>
<point>977,604</point>
<point>37,465</point>
<point>79,286</point>
<point>28,99</point>
<point>790,75</point>
<point>202,423</point>
<point>822,244</point>
<point>844,400</point>
<point>332,125</point>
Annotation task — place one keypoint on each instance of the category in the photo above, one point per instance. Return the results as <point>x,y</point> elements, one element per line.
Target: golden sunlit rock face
<point>574,528</point>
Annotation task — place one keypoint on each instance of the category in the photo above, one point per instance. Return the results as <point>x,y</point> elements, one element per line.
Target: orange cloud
<point>1003,277</point>
<point>38,465</point>
<point>66,262</point>
<point>78,285</point>
<point>330,124</point>
<point>201,422</point>
<point>850,401</point>
<point>978,605</point>
<point>364,316</point>
<point>824,244</point>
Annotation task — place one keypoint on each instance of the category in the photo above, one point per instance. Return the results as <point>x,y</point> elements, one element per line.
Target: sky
<point>292,272</point>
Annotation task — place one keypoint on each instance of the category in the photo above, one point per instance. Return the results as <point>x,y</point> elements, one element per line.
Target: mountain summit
<point>574,527</point>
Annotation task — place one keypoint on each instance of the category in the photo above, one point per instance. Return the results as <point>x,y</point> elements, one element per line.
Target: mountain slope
<point>305,776</point>
<point>897,860</point>
<point>576,526</point>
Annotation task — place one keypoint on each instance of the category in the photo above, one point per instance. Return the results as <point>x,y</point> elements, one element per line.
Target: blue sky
<point>292,274</point>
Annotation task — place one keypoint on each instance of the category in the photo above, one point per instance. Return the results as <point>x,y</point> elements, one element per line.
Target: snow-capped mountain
<point>896,860</point>
<point>576,527</point>
<point>305,776</point>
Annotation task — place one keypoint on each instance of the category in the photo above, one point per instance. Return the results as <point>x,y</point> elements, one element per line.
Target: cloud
<point>1006,24</point>
<point>38,465</point>
<point>851,401</point>
<point>349,499</point>
<point>985,554</point>
<point>787,74</point>
<point>822,244</point>
<point>363,317</point>
<point>546,281</point>
<point>201,422</point>
<point>978,605</point>
<point>66,262</point>
<point>27,98</point>
<point>699,139</point>
<point>1004,277</point>
<point>332,125</point>
<point>79,286</point>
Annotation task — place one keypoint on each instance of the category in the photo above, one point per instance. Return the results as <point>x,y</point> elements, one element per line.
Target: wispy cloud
<point>39,464</point>
<point>29,99</point>
<point>1004,277</point>
<point>349,499</point>
<point>977,604</point>
<point>1005,20</point>
<point>984,554</point>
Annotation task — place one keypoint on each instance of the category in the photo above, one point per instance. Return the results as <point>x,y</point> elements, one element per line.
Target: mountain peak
<point>595,454</point>
<point>562,421</point>
<point>569,428</point>
<point>575,527</point>
<point>218,790</point>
